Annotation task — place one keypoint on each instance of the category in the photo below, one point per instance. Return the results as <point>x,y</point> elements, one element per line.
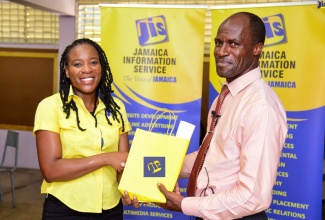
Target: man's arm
<point>261,148</point>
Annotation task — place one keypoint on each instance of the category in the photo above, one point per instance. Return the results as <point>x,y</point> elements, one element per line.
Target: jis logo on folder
<point>154,167</point>
<point>152,30</point>
<point>275,30</point>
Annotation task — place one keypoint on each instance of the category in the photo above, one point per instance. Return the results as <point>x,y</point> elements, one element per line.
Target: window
<point>22,24</point>
<point>89,14</point>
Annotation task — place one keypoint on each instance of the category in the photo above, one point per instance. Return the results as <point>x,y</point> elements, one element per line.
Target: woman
<point>82,140</point>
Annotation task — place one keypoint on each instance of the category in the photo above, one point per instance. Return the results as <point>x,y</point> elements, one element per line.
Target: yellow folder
<point>153,158</point>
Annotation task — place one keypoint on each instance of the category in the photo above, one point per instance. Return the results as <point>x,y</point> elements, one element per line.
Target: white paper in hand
<point>185,130</point>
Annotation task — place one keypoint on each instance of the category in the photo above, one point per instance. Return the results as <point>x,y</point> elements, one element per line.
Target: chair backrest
<point>11,141</point>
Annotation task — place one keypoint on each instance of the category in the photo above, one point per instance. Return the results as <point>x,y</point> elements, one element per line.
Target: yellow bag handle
<point>163,111</point>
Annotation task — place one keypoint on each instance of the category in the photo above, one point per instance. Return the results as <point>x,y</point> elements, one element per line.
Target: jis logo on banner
<point>154,167</point>
<point>275,30</point>
<point>152,30</point>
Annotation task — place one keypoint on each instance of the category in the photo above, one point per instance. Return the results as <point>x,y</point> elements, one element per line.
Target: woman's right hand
<point>118,160</point>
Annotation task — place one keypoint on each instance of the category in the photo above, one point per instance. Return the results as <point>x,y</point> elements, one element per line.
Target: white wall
<point>63,7</point>
<point>67,35</point>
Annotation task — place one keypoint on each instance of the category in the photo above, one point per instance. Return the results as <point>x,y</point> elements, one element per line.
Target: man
<point>240,166</point>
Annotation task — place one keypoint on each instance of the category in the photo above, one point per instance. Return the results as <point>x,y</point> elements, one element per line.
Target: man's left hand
<point>174,199</point>
<point>126,200</point>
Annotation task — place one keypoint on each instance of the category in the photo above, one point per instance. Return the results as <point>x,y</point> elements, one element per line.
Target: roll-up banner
<point>156,57</point>
<point>292,63</point>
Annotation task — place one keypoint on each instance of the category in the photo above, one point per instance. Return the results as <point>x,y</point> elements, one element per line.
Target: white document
<point>185,130</point>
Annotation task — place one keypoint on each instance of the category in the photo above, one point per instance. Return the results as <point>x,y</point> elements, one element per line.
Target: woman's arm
<point>55,168</point>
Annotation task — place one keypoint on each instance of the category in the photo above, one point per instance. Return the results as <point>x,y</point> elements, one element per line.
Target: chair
<point>11,141</point>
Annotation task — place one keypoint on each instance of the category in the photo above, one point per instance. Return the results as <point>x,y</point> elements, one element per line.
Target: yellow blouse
<point>95,191</point>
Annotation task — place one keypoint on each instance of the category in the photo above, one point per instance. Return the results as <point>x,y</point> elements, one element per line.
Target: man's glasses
<point>207,190</point>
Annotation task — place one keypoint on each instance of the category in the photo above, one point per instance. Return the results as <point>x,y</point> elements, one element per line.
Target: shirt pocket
<point>226,144</point>
<point>72,138</point>
<point>231,148</point>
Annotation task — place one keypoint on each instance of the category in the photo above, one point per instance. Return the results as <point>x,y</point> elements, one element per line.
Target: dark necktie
<point>192,182</point>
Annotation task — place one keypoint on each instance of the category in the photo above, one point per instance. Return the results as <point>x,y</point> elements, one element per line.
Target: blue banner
<point>156,64</point>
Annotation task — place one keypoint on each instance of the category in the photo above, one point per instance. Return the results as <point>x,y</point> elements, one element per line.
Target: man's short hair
<point>256,28</point>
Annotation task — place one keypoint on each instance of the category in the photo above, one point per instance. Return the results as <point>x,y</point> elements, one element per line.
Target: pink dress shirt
<point>241,164</point>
